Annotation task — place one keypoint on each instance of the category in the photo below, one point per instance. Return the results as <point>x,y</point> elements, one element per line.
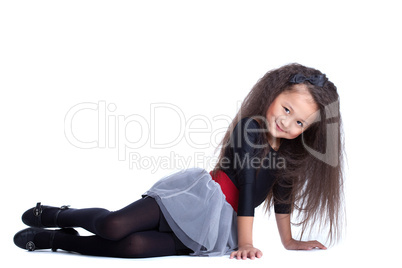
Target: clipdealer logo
<point>113,133</point>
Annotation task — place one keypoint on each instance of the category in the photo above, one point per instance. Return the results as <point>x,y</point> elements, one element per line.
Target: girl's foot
<point>37,238</point>
<point>42,216</point>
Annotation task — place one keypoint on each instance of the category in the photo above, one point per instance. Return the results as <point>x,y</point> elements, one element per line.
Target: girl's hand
<point>303,245</point>
<point>246,251</point>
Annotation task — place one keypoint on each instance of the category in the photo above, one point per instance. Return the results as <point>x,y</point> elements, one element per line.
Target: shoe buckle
<point>30,246</point>
<point>37,210</point>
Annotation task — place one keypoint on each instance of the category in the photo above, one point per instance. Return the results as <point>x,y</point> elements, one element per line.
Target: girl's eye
<point>300,123</point>
<point>286,110</point>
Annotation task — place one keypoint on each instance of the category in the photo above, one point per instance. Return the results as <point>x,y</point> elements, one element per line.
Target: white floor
<point>273,257</point>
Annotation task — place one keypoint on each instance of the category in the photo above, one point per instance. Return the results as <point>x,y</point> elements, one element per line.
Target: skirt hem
<point>197,212</point>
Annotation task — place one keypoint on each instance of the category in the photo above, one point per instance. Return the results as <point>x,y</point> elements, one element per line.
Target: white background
<point>202,57</point>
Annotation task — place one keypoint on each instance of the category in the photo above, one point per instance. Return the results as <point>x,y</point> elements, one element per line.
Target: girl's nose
<point>285,122</point>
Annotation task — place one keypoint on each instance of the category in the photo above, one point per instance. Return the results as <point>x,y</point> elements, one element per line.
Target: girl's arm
<point>245,239</point>
<point>283,222</point>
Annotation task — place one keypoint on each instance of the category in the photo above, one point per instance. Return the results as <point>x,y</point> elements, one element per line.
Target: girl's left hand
<point>303,245</point>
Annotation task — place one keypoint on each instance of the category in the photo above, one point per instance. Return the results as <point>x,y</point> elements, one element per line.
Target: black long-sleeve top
<point>241,166</point>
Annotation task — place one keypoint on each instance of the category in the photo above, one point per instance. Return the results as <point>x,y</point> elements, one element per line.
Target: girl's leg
<point>139,216</point>
<point>129,232</point>
<point>137,245</point>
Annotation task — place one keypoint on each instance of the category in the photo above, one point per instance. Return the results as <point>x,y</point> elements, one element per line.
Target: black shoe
<point>25,238</point>
<point>33,217</point>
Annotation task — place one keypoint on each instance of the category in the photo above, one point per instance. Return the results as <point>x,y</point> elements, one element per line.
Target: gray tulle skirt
<point>196,210</point>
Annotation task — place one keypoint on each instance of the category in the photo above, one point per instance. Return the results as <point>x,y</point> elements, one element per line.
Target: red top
<point>228,188</point>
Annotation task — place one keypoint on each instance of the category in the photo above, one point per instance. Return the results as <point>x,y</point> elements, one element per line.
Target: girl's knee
<point>135,246</point>
<point>108,227</point>
<point>149,244</point>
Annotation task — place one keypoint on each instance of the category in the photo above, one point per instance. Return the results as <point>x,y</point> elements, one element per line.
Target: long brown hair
<point>314,160</point>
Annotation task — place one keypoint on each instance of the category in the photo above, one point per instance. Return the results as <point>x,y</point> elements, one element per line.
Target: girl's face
<point>291,113</point>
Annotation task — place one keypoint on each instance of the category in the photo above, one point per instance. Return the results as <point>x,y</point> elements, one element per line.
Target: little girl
<point>283,147</point>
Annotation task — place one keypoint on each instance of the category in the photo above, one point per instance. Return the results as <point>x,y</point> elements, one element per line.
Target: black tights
<point>133,231</point>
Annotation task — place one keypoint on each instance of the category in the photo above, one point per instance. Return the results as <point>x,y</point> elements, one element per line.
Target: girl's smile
<point>277,126</point>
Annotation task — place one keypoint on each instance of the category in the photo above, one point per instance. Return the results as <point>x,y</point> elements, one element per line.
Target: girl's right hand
<point>247,251</point>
